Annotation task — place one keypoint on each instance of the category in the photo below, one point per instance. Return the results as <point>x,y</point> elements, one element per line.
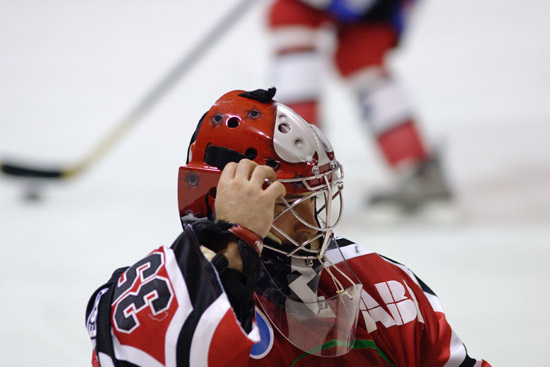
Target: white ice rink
<point>478,72</point>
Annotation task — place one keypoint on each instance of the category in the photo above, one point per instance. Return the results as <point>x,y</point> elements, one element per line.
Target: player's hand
<point>242,199</point>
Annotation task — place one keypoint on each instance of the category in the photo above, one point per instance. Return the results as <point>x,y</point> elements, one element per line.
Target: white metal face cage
<point>297,141</point>
<point>327,218</point>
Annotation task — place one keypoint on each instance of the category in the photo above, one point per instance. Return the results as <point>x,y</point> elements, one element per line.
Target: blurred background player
<point>365,30</point>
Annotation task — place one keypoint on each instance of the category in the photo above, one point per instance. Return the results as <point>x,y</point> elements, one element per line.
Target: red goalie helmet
<point>252,125</point>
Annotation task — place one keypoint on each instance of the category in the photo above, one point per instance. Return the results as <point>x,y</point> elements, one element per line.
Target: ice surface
<point>69,71</point>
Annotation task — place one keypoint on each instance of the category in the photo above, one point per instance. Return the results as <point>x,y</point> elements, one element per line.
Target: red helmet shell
<point>242,127</point>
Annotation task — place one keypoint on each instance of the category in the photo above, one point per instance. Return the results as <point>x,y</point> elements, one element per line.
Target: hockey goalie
<point>258,276</point>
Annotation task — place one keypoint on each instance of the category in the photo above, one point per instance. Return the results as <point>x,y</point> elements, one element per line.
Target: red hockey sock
<point>308,110</point>
<point>401,144</point>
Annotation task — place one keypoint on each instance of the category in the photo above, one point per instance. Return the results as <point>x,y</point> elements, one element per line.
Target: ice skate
<point>418,189</point>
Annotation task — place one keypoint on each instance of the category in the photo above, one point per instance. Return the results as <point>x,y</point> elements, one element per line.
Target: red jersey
<point>170,309</point>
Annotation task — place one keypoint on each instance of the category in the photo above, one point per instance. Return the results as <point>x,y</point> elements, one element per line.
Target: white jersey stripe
<point>207,325</point>
<point>435,302</point>
<point>457,352</point>
<point>184,307</point>
<point>105,360</point>
<point>349,252</point>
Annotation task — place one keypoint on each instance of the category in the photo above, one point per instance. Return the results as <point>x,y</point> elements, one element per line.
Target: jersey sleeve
<point>440,345</point>
<point>168,309</point>
<point>402,314</point>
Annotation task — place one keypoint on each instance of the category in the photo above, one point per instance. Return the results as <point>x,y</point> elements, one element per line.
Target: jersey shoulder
<point>372,266</point>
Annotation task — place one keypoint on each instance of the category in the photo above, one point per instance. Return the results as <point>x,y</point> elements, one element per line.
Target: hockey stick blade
<point>13,169</point>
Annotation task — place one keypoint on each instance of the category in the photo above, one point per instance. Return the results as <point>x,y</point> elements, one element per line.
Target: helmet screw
<point>254,114</point>
<point>284,127</point>
<point>217,119</point>
<point>192,179</point>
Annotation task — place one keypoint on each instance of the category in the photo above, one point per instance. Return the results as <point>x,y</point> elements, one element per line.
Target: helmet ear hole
<point>272,163</point>
<point>251,153</point>
<point>233,122</point>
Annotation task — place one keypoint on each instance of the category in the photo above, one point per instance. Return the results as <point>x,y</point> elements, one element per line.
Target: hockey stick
<point>138,111</point>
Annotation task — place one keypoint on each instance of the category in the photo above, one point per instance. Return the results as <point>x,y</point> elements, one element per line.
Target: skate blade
<point>432,213</point>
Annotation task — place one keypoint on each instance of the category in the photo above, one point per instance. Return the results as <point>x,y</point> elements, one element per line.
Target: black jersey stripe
<point>425,287</point>
<point>103,337</point>
<point>468,362</point>
<point>343,242</point>
<point>202,284</point>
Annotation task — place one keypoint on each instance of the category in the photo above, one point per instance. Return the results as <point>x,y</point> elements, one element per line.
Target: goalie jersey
<point>170,309</point>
